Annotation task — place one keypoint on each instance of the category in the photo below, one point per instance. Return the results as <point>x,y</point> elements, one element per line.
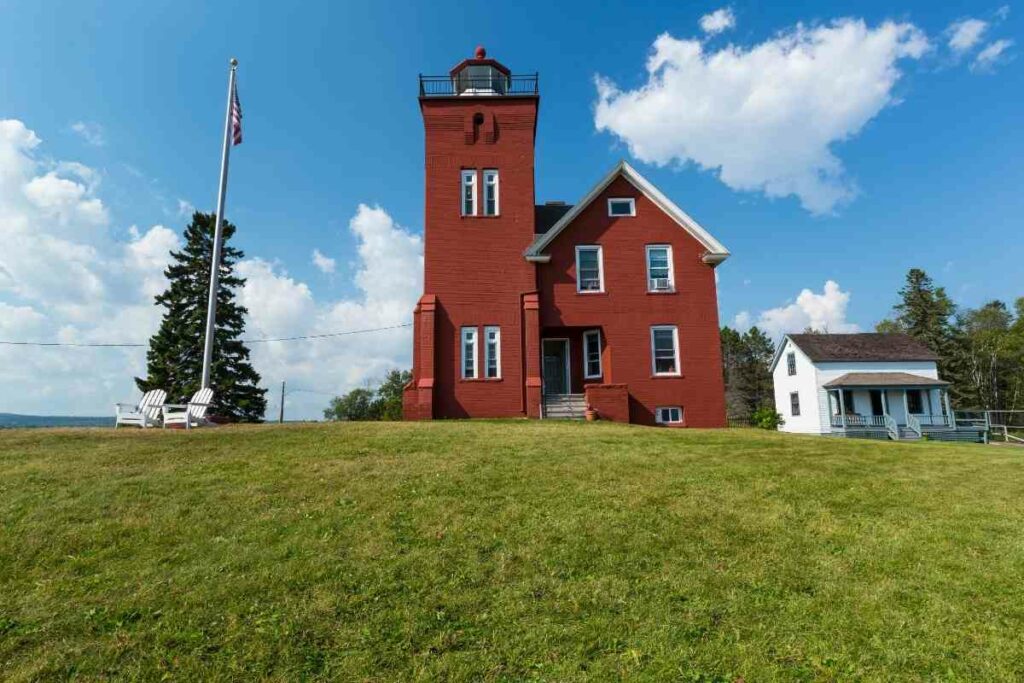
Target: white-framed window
<point>791,363</point>
<point>667,415</point>
<point>492,352</point>
<point>491,192</point>
<point>621,206</point>
<point>589,269</point>
<point>794,404</point>
<point>665,350</point>
<point>469,369</point>
<point>660,273</point>
<point>469,192</point>
<point>592,354</point>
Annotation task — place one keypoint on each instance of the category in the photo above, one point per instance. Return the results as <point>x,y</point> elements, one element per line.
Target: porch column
<point>906,407</point>
<point>531,348</point>
<point>950,419</point>
<point>842,408</point>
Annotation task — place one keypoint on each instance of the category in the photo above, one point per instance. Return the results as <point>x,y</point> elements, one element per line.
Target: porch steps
<point>564,407</point>
<point>908,434</point>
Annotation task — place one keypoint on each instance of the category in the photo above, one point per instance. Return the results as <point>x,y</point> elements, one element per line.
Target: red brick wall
<point>474,265</point>
<point>611,401</point>
<point>625,311</point>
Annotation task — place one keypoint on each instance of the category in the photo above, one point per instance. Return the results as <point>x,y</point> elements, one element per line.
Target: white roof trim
<point>778,352</point>
<point>715,254</point>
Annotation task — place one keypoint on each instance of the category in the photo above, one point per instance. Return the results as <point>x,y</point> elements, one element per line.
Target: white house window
<point>592,354</point>
<point>665,350</point>
<point>660,277</point>
<point>791,363</point>
<point>469,353</point>
<point>492,352</point>
<point>589,270</point>
<point>469,193</point>
<point>625,206</point>
<point>794,404</point>
<point>491,193</point>
<point>668,415</point>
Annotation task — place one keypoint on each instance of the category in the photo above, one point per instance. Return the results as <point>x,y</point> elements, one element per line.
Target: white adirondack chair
<point>145,413</point>
<point>191,414</point>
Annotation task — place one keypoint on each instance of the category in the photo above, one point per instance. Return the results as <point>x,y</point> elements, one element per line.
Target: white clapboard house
<point>883,386</point>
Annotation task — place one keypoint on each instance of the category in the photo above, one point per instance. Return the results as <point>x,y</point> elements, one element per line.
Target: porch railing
<point>935,420</point>
<point>859,421</point>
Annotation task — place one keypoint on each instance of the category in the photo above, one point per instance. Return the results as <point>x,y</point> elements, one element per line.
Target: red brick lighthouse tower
<point>476,336</point>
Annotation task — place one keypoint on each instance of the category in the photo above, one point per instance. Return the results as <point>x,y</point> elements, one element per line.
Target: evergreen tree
<point>174,361</point>
<point>746,359</point>
<point>925,312</point>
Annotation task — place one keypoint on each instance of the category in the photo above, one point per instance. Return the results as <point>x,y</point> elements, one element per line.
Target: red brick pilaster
<point>531,351</point>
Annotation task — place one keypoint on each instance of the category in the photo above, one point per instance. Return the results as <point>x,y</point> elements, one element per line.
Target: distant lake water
<point>10,420</point>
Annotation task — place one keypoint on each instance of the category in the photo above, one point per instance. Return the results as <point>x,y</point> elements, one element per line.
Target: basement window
<point>623,206</point>
<point>669,415</point>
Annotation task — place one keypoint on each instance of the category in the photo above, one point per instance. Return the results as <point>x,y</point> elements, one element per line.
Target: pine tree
<point>174,361</point>
<point>925,312</point>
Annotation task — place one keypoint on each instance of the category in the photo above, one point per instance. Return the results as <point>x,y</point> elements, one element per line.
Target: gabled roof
<point>715,254</point>
<point>546,215</point>
<point>863,346</point>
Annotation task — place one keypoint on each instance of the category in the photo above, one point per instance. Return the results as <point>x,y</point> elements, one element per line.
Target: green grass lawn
<point>507,551</point>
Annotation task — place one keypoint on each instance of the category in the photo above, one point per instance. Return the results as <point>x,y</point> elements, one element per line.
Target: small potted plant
<point>589,414</point>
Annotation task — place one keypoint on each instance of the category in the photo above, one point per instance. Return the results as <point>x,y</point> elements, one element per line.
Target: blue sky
<point>930,156</point>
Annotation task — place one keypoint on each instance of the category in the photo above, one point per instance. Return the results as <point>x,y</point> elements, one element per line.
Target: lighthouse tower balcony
<point>479,77</point>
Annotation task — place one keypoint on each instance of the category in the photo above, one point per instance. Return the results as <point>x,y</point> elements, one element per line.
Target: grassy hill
<point>506,551</point>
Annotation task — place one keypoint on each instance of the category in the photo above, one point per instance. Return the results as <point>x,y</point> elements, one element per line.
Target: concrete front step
<point>565,406</point>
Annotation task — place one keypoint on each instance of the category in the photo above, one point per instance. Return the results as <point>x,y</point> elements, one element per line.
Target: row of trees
<point>383,402</point>
<point>981,350</point>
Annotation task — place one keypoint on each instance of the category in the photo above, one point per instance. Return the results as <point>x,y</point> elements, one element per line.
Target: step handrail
<point>914,424</point>
<point>892,428</point>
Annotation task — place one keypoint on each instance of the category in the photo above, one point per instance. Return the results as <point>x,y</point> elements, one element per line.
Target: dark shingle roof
<point>546,215</point>
<point>867,346</point>
<point>884,379</point>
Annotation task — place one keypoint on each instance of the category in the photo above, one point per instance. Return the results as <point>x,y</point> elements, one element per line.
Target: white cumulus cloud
<point>65,277</point>
<point>325,264</point>
<point>765,118</point>
<point>720,20</point>
<point>824,312</point>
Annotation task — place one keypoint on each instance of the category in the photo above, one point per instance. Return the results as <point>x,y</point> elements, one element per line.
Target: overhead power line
<point>119,345</point>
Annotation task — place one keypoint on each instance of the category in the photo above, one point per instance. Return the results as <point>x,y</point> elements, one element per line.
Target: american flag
<point>236,117</point>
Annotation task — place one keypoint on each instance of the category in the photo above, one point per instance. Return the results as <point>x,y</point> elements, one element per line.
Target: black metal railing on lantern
<point>460,85</point>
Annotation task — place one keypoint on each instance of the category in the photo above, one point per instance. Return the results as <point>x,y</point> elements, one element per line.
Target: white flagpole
<point>218,235</point>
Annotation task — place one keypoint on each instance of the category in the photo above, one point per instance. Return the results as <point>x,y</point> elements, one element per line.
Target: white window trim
<point>675,344</point>
<point>469,334</point>
<point>671,269</point>
<point>657,415</point>
<point>468,177</point>
<point>632,207</point>
<point>492,173</point>
<point>586,355</point>
<point>600,268</point>
<point>497,351</point>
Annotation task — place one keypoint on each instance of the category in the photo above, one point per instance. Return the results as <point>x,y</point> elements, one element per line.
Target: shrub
<point>767,417</point>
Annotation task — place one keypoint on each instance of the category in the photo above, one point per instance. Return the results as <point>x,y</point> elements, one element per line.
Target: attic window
<point>625,206</point>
